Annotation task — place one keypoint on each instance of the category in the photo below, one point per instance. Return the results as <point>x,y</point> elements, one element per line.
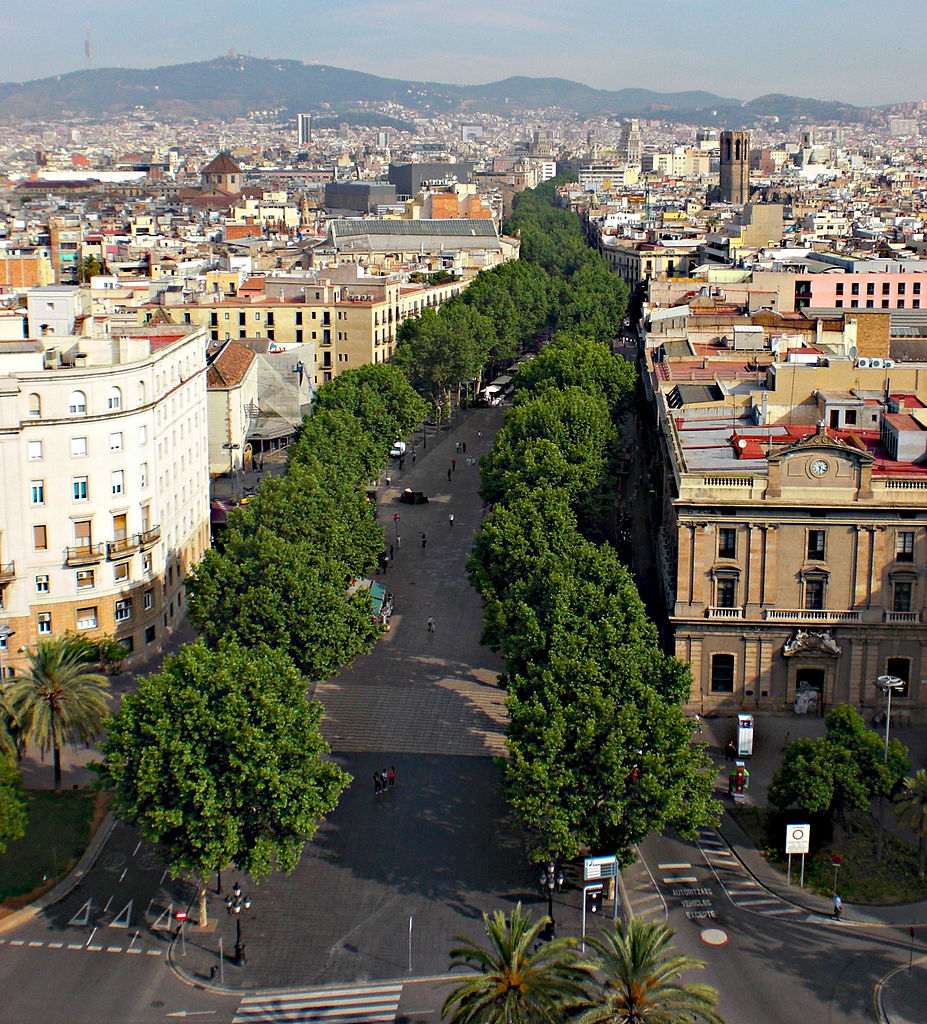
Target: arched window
<point>77,406</point>
<point>115,398</point>
<point>141,392</point>
<point>35,405</point>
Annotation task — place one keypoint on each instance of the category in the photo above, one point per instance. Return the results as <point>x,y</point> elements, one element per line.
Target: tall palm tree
<point>520,980</point>
<point>58,700</point>
<point>9,731</point>
<point>640,984</point>
<point>911,809</point>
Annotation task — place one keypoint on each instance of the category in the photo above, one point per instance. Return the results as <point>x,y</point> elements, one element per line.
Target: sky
<point>857,51</point>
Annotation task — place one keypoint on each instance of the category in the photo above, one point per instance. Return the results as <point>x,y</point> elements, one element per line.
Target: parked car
<point>398,449</point>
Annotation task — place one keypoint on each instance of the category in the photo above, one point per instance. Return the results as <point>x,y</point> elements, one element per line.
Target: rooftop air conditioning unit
<point>877,364</point>
<point>863,362</point>
<point>888,363</point>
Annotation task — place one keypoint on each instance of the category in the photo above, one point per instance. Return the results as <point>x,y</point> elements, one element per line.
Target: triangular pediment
<point>822,442</point>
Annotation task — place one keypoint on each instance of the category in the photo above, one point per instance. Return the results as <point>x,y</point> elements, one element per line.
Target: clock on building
<point>819,467</point>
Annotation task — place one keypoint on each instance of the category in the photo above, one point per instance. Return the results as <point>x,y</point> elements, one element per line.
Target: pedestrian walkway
<point>741,888</point>
<point>367,1004</point>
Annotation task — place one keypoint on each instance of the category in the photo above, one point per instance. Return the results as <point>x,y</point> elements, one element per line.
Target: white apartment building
<point>105,497</point>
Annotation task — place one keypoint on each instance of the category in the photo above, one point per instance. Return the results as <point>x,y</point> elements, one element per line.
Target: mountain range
<point>232,86</point>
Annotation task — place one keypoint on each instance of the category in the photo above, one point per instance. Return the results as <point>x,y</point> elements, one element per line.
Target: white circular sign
<point>714,937</point>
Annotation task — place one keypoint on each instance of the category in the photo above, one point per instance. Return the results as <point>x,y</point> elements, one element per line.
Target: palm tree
<point>58,700</point>
<point>520,980</point>
<point>911,809</point>
<point>640,985</point>
<point>9,731</point>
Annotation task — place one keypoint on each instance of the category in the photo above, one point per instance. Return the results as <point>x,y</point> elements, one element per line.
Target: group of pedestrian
<point>461,447</point>
<point>384,780</point>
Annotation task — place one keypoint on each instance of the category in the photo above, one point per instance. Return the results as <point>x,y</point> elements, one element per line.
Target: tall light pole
<point>551,877</point>
<point>237,904</point>
<point>887,684</point>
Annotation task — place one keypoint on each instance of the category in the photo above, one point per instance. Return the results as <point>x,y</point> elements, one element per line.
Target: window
<point>44,623</point>
<point>886,287</point>
<point>840,287</point>
<point>870,287</point>
<point>141,392</point>
<point>904,546</point>
<point>870,303</point>
<point>727,542</point>
<point>900,667</point>
<point>41,585</point>
<point>814,594</point>
<point>36,452</point>
<point>901,287</point>
<point>902,595</point>
<point>123,610</point>
<point>725,592</point>
<point>722,673</point>
<point>37,492</point>
<point>149,634</point>
<point>80,488</point>
<point>849,417</point>
<point>146,564</point>
<point>854,288</point>
<point>115,441</point>
<point>35,405</point>
<point>149,600</point>
<point>77,406</point>
<point>115,398</point>
<point>39,538</point>
<point>816,545</point>
<point>85,579</point>
<point>86,618</point>
<point>83,533</point>
<point>121,572</point>
<point>117,481</point>
<point>916,287</point>
<point>78,447</point>
<point>839,303</point>
<point>143,434</point>
<point>143,475</point>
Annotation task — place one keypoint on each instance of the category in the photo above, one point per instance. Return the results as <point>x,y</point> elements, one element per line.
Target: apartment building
<point>105,503</point>
<point>791,497</point>
<point>350,318</point>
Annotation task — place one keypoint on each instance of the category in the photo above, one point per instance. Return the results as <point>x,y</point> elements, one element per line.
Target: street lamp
<point>551,877</point>
<point>5,634</point>
<point>887,684</point>
<point>231,449</point>
<point>237,904</point>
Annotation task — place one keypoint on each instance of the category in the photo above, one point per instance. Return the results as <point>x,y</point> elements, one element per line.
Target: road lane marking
<point>673,867</point>
<point>681,878</point>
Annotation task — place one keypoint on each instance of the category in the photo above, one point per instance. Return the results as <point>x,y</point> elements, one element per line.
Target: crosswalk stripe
<point>673,867</point>
<point>681,878</point>
<point>375,1004</point>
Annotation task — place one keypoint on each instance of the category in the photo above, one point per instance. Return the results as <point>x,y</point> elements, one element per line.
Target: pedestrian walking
<point>424,540</point>
<point>448,476</point>
<point>398,540</point>
<point>413,458</point>
<point>454,465</point>
<point>464,448</point>
<point>391,552</point>
<point>838,906</point>
<point>479,435</point>
<point>729,751</point>
<point>457,447</point>
<point>389,479</point>
<point>450,518</point>
<point>392,776</point>
<point>788,739</point>
<point>384,781</point>
<point>431,624</point>
<point>698,724</point>
<point>377,785</point>
<point>402,463</point>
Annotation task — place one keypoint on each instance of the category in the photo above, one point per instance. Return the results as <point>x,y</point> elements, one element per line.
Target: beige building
<point>105,503</point>
<point>792,503</point>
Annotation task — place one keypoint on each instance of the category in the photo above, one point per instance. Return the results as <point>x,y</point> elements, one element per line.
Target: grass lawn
<point>59,827</point>
<point>861,878</point>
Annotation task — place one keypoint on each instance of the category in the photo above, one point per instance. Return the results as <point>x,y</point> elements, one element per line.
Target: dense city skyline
<point>738,50</point>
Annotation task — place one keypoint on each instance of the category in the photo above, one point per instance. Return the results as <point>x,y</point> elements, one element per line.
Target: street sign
<point>599,867</point>
<point>395,517</point>
<point>836,861</point>
<point>181,915</point>
<point>797,838</point>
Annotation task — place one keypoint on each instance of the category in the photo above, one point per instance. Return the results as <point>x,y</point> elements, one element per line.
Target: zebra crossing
<point>641,893</point>
<point>742,890</point>
<point>367,1004</point>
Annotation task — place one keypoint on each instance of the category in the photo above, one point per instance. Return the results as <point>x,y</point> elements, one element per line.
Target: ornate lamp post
<point>238,904</point>
<point>551,877</point>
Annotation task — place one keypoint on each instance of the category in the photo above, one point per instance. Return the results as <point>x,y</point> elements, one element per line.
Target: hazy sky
<point>861,51</point>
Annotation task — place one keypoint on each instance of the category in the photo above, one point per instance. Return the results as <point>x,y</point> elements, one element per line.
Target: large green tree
<point>843,769</point>
<point>58,700</point>
<point>638,980</point>
<point>518,979</point>
<point>381,398</point>
<point>219,759</point>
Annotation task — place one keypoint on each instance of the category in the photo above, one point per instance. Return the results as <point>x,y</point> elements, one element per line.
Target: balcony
<point>724,613</point>
<point>809,615</point>
<point>148,538</point>
<point>899,617</point>
<point>122,548</point>
<point>84,554</point>
<point>7,571</point>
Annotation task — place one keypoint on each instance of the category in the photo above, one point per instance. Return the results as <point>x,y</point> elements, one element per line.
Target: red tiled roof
<point>221,164</point>
<point>229,367</point>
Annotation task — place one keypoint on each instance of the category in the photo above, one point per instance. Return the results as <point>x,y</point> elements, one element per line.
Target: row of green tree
<point>219,758</point>
<point>506,309</point>
<point>599,751</point>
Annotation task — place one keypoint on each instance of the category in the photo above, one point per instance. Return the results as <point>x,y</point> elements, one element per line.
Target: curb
<point>880,1010</point>
<point>67,884</point>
